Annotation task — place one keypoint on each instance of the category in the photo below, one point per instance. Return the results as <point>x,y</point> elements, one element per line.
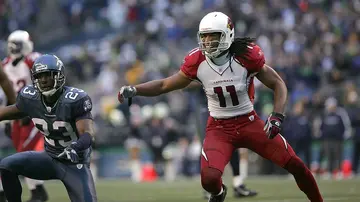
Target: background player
<point>63,115</point>
<point>226,68</point>
<point>10,96</point>
<point>24,134</point>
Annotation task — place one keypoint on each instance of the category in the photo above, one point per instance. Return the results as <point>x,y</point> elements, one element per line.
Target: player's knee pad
<point>295,165</point>
<point>211,179</point>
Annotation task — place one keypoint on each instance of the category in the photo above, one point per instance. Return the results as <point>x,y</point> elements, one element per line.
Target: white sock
<point>1,187</point>
<point>244,164</point>
<point>238,180</point>
<point>31,183</point>
<point>170,171</point>
<point>221,191</point>
<point>135,167</point>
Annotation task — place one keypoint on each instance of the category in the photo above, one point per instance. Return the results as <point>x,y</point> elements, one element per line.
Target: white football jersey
<point>19,74</point>
<point>229,88</point>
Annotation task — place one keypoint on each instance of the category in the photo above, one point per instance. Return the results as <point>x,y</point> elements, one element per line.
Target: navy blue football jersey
<point>57,123</point>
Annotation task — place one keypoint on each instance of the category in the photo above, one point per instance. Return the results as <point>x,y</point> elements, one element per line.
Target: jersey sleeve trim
<point>188,74</point>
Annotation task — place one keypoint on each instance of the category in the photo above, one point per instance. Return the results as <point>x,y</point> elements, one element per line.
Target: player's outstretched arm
<point>272,80</point>
<point>158,87</point>
<point>155,87</point>
<point>6,85</point>
<point>11,112</point>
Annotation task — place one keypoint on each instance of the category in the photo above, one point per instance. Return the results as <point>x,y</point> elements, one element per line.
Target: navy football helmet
<point>47,74</point>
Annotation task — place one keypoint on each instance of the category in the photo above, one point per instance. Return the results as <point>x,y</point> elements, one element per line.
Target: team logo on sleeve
<point>87,105</point>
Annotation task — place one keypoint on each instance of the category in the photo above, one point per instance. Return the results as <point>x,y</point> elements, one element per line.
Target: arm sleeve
<point>82,108</point>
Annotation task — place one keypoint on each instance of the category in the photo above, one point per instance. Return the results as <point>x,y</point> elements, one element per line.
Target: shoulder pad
<point>194,57</point>
<point>29,92</point>
<point>73,94</point>
<point>191,63</point>
<point>254,60</point>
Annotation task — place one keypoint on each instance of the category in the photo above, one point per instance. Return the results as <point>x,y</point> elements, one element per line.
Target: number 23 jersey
<point>58,124</point>
<point>229,88</point>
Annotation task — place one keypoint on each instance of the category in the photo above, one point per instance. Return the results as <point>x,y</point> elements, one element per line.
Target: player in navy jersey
<point>63,115</point>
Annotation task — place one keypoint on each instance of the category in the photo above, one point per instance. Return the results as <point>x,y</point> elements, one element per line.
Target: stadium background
<point>313,44</point>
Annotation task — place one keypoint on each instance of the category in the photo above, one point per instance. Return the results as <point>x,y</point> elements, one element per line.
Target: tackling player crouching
<point>63,115</point>
<point>226,67</point>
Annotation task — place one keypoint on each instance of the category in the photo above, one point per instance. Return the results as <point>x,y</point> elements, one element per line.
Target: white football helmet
<point>216,22</point>
<point>19,44</point>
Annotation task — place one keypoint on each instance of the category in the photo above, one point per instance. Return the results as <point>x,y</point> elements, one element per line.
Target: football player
<point>63,115</point>
<point>10,97</point>
<point>239,159</point>
<point>23,133</point>
<point>226,68</point>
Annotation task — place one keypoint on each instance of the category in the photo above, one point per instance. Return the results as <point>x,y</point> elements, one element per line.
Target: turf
<point>271,189</point>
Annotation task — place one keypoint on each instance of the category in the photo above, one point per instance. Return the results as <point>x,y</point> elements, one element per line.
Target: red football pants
<point>246,131</point>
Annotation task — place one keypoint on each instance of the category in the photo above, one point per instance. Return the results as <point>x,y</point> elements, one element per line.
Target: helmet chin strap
<point>49,92</point>
<point>16,56</point>
<point>222,58</point>
<point>213,54</point>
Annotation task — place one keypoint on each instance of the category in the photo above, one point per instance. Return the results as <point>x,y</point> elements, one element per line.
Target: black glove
<point>273,124</point>
<point>70,153</point>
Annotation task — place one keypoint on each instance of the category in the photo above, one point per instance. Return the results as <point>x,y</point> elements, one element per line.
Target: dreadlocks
<point>239,46</point>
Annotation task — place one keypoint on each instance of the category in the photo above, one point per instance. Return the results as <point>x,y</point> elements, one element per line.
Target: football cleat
<point>219,198</point>
<point>39,194</point>
<point>242,191</point>
<point>42,193</point>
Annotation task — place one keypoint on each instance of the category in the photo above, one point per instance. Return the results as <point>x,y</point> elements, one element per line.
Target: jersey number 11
<point>231,90</point>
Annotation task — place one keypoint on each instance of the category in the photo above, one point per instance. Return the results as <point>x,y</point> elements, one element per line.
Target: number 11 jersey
<point>57,123</point>
<point>229,88</point>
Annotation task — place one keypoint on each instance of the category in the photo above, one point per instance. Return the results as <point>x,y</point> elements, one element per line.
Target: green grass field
<point>271,189</point>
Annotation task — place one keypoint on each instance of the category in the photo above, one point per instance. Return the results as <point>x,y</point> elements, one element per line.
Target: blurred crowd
<point>313,44</point>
